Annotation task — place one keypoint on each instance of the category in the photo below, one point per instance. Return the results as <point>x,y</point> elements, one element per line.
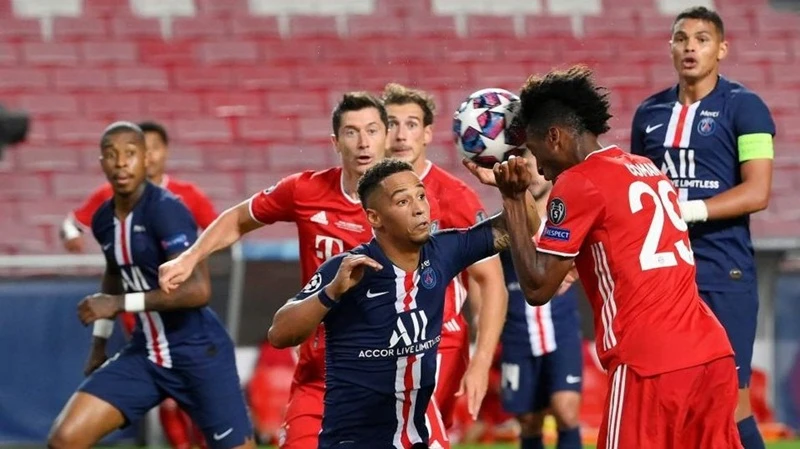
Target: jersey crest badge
<point>428,278</point>
<point>556,211</point>
<point>706,126</point>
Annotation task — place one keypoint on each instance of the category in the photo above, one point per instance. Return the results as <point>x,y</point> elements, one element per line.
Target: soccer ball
<point>485,128</point>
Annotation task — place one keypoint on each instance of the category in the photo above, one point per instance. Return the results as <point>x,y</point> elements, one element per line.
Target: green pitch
<point>781,445</point>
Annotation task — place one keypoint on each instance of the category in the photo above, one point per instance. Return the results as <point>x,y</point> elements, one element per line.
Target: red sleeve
<point>84,213</point>
<point>572,210</point>
<point>202,208</point>
<point>462,209</point>
<point>275,203</point>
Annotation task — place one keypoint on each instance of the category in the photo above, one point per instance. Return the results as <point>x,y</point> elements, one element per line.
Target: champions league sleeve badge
<point>556,211</point>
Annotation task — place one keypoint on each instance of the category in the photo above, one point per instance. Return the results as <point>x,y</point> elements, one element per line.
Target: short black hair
<point>122,127</point>
<point>704,14</point>
<point>155,127</point>
<point>568,98</point>
<point>376,174</point>
<point>356,101</point>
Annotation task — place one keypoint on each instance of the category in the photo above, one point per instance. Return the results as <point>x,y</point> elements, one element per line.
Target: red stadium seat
<point>80,28</point>
<point>81,79</point>
<point>50,53</point>
<point>300,157</point>
<point>48,158</point>
<point>492,27</point>
<point>22,186</point>
<point>202,28</point>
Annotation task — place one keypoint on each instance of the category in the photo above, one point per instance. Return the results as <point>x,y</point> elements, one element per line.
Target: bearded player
<point>329,218</point>
<point>453,205</point>
<point>177,425</point>
<point>713,138</point>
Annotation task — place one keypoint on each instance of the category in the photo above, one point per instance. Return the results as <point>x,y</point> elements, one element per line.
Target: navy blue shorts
<point>207,387</point>
<point>529,382</point>
<point>738,313</point>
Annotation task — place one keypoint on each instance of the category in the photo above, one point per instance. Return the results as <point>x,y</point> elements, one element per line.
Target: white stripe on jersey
<point>401,293</point>
<point>617,398</point>
<point>152,325</point>
<point>606,287</point>
<point>685,126</point>
<point>541,332</point>
<point>406,427</point>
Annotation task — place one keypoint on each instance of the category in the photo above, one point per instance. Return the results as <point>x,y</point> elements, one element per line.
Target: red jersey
<point>454,204</point>
<point>617,214</point>
<point>195,200</point>
<point>328,222</point>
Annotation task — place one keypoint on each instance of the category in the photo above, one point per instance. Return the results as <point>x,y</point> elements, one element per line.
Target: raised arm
<point>297,319</point>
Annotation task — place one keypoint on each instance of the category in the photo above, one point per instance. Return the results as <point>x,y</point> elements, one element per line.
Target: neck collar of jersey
<point>428,166</point>
<point>164,181</point>
<point>610,147</point>
<point>344,192</point>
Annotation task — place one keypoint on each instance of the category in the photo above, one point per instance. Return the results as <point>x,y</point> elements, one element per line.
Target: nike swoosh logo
<point>371,295</point>
<point>573,379</point>
<point>219,436</point>
<point>106,246</point>
<point>650,129</point>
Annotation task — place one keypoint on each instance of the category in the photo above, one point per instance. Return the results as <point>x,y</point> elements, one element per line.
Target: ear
<point>428,134</point>
<point>334,142</point>
<point>373,218</point>
<point>723,51</point>
<point>553,134</point>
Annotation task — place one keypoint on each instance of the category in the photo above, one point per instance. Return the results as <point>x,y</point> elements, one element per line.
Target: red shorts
<point>303,417</point>
<point>304,420</point>
<point>452,365</point>
<point>690,408</point>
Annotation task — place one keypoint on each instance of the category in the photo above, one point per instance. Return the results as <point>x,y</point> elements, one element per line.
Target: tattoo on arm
<point>500,236</point>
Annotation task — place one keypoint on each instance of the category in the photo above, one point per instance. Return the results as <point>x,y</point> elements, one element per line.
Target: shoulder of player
<point>163,199</point>
<point>660,97</point>
<point>181,187</point>
<point>737,92</point>
<point>103,213</point>
<point>316,179</point>
<point>446,184</point>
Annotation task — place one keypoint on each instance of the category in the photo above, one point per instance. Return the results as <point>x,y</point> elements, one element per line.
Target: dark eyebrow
<point>419,185</point>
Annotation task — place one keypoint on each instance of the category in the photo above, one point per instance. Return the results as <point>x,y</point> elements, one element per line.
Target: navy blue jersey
<point>530,330</point>
<point>158,228</point>
<point>696,146</point>
<point>382,338</point>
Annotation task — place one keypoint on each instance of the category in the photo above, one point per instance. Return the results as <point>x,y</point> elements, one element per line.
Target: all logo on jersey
<point>313,285</point>
<point>556,211</point>
<point>320,217</point>
<point>434,225</point>
<point>706,126</point>
<point>481,216</point>
<point>428,278</point>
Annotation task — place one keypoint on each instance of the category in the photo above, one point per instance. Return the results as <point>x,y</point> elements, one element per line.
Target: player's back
<point>637,267</point>
<point>158,227</point>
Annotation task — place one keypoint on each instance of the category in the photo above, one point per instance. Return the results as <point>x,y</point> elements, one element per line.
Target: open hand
<point>474,384</point>
<point>350,273</point>
<point>484,175</point>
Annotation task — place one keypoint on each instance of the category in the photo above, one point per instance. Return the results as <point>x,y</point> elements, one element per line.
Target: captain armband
<point>755,146</point>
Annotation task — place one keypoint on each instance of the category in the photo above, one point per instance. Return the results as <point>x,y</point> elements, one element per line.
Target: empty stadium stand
<point>75,65</point>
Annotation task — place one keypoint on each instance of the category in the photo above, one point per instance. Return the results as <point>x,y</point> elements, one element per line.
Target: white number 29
<point>649,257</point>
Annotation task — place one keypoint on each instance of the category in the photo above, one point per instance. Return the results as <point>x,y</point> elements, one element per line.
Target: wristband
<point>134,302</point>
<point>693,211</point>
<point>103,328</point>
<point>325,299</point>
<point>69,231</point>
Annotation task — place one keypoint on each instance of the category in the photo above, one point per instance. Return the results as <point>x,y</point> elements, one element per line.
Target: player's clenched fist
<point>99,306</point>
<point>173,273</point>
<point>350,273</point>
<point>513,177</point>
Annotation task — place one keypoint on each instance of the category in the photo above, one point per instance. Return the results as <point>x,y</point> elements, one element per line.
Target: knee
<point>530,424</point>
<point>566,409</point>
<point>64,437</point>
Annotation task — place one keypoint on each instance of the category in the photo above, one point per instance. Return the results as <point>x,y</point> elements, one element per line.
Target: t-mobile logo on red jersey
<point>328,247</point>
